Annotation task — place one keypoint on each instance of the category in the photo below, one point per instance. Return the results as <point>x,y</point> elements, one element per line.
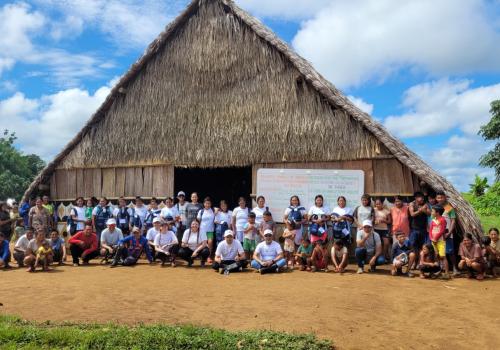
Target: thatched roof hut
<point>218,89</point>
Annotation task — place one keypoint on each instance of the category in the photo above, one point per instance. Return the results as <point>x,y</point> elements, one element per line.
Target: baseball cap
<point>157,219</point>
<point>169,218</point>
<point>181,193</point>
<point>268,232</point>
<point>111,222</point>
<point>367,223</point>
<point>228,233</point>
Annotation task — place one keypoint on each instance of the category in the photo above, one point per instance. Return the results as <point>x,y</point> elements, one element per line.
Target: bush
<point>19,334</point>
<point>489,203</point>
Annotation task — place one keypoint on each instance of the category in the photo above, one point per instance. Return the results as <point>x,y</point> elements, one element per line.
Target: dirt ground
<point>369,311</point>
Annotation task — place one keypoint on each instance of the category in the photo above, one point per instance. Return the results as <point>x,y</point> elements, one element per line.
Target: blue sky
<point>425,69</point>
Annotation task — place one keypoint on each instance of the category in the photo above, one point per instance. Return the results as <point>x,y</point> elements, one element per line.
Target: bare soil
<point>368,311</point>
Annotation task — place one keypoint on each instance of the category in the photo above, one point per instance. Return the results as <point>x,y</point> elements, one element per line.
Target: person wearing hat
<point>268,255</point>
<point>110,237</point>
<point>152,233</point>
<point>82,245</point>
<point>181,207</point>
<point>369,247</point>
<point>166,244</point>
<point>229,256</point>
<point>130,249</point>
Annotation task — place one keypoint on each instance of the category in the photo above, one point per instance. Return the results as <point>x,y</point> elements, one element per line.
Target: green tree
<point>479,186</point>
<point>491,131</point>
<point>17,170</point>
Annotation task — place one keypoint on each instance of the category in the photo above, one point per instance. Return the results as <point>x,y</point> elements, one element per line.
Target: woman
<point>192,209</point>
<point>364,211</point>
<point>382,222</point>
<point>342,220</point>
<point>78,216</point>
<point>194,244</point>
<point>259,210</point>
<point>33,245</point>
<point>294,218</point>
<point>91,203</point>
<point>223,221</point>
<point>206,217</point>
<point>39,217</point>
<point>400,217</point>
<point>5,221</point>
<point>318,215</point>
<point>100,215</point>
<point>240,218</point>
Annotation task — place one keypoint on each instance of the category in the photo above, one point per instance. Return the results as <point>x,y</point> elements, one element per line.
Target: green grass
<point>487,222</point>
<point>19,334</point>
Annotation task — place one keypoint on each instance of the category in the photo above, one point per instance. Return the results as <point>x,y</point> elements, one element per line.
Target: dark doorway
<point>218,183</point>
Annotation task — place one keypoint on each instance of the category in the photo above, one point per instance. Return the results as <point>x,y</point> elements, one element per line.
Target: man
<point>419,213</point>
<point>451,217</point>
<point>166,244</point>
<point>109,240</point>
<point>369,247</point>
<point>181,209</point>
<point>130,249</point>
<point>141,211</point>
<point>21,246</point>
<point>4,252</point>
<point>34,244</point>
<point>268,255</point>
<point>152,233</point>
<point>5,221</point>
<point>229,255</point>
<point>24,210</point>
<point>52,211</point>
<point>84,245</point>
<point>124,216</point>
<point>153,213</point>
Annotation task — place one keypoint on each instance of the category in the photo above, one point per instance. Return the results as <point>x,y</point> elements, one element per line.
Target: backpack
<point>295,216</point>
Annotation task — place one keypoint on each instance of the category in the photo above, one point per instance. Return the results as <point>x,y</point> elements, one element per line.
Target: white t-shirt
<point>142,212</point>
<point>173,212</point>
<point>167,238</point>
<point>80,215</point>
<point>241,216</point>
<point>342,211</point>
<point>363,213</point>
<point>229,252</point>
<point>371,243</point>
<point>34,246</point>
<point>339,252</point>
<point>259,214</point>
<point>314,210</point>
<point>224,217</point>
<point>268,251</point>
<point>182,211</point>
<point>193,239</point>
<point>206,220</point>
<point>111,238</point>
<point>22,243</point>
<point>252,235</point>
<point>151,234</point>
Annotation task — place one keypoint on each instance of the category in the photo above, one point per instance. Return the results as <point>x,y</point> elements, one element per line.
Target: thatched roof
<point>218,88</point>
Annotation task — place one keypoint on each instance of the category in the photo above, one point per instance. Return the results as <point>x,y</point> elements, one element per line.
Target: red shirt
<point>89,242</point>
<point>437,229</point>
<point>400,220</point>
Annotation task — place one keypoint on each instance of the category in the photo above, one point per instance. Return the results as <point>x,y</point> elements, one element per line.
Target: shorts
<point>210,235</point>
<point>440,248</point>
<point>450,247</point>
<point>249,245</point>
<point>289,246</point>
<point>382,233</point>
<point>418,238</point>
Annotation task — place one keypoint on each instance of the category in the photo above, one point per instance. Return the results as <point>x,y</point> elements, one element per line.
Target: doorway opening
<point>217,183</point>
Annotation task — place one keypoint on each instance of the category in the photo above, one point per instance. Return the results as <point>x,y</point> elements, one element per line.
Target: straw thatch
<point>218,88</point>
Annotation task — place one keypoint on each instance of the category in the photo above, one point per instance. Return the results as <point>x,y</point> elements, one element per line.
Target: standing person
<point>34,244</point>
<point>267,224</point>
<point>364,211</point>
<point>130,249</point>
<point>319,258</point>
<point>259,213</point>
<point>166,243</point>
<point>268,255</point>
<point>451,220</point>
<point>100,215</point>
<point>153,212</point>
<point>4,251</point>
<point>84,245</point>
<point>181,208</point>
<point>39,217</point>
<point>24,210</point>
<point>206,217</point>
<point>21,246</point>
<point>58,247</point>
<point>78,219</point>
<point>229,256</point>
<point>194,244</point>
<point>140,211</point>
<point>250,232</point>
<point>342,220</point>
<point>340,256</point>
<point>400,217</point>
<point>419,213</point>
<point>369,248</point>
<point>240,218</point>
<point>382,222</point>
<point>109,240</point>
<point>223,221</point>
<point>318,215</point>
<point>402,255</point>
<point>170,211</point>
<point>494,249</point>
<point>471,258</point>
<point>89,209</point>
<point>437,230</point>
<point>52,211</point>
<point>192,209</point>
<point>289,246</point>
<point>5,221</point>
<point>295,217</point>
<point>124,216</point>
<point>151,235</point>
<point>17,226</point>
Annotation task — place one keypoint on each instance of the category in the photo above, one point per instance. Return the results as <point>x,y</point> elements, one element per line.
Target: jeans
<point>185,254</point>
<point>278,264</point>
<point>173,250</point>
<point>224,263</point>
<point>362,257</point>
<point>77,251</point>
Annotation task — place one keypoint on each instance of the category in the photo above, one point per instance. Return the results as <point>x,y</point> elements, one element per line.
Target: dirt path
<point>356,312</point>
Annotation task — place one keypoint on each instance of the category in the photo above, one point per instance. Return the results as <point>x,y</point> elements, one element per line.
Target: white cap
<point>181,193</point>
<point>228,233</point>
<point>367,223</point>
<point>156,219</point>
<point>111,222</point>
<point>268,232</point>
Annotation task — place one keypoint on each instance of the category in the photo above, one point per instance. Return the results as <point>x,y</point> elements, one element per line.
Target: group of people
<point>418,236</point>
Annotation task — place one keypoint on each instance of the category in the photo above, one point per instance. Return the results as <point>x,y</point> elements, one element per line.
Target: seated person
<point>304,253</point>
<point>34,244</point>
<point>130,249</point>
<point>268,255</point>
<point>319,258</point>
<point>429,262</point>
<point>194,244</point>
<point>21,246</point>
<point>84,245</point>
<point>402,255</point>
<point>369,247</point>
<point>471,258</point>
<point>151,233</point>
<point>494,256</point>
<point>109,240</point>
<point>229,255</point>
<point>43,256</point>
<point>4,251</point>
<point>166,243</point>
<point>58,247</point>
<point>340,256</point>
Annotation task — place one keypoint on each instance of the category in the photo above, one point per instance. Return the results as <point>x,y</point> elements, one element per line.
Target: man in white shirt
<point>165,243</point>
<point>229,256</point>
<point>21,246</point>
<point>268,255</point>
<point>369,247</point>
<point>152,233</point>
<point>109,240</point>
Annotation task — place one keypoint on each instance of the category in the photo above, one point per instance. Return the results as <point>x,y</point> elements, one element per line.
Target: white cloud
<point>44,125</point>
<point>361,104</point>
<point>437,107</point>
<point>355,41</point>
<point>283,9</point>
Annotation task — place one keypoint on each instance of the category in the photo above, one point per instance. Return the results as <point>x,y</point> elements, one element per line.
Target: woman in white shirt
<point>240,218</point>
<point>194,244</point>
<point>342,220</point>
<point>206,217</point>
<point>170,211</point>
<point>294,218</point>
<point>318,215</point>
<point>223,221</point>
<point>166,244</point>
<point>78,216</point>
<point>259,211</point>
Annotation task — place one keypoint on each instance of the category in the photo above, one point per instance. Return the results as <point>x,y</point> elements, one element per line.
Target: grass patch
<point>487,221</point>
<point>20,334</point>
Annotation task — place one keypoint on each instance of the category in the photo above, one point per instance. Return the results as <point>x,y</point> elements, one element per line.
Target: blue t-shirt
<point>57,244</point>
<point>398,250</point>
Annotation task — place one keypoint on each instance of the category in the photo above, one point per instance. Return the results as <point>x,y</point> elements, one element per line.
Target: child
<point>249,236</point>
<point>489,255</point>
<point>58,247</point>
<point>495,248</point>
<point>471,258</point>
<point>43,254</point>
<point>340,256</point>
<point>429,263</point>
<point>303,256</point>
<point>450,216</point>
<point>267,224</point>
<point>319,258</point>
<point>403,254</point>
<point>437,230</point>
<point>289,246</point>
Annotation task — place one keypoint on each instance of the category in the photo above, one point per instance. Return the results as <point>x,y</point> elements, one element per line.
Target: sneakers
<point>360,270</point>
